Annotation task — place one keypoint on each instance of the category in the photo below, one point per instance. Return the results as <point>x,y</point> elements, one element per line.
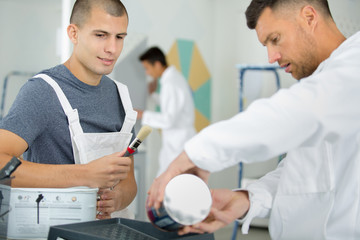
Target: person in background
<point>315,191</point>
<point>72,113</point>
<point>177,112</point>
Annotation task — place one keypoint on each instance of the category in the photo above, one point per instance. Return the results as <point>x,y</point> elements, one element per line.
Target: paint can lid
<point>187,199</point>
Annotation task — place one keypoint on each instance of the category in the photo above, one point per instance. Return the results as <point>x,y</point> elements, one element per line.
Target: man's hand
<point>109,202</point>
<point>227,207</point>
<point>139,113</point>
<point>119,196</point>
<point>109,170</point>
<point>182,164</point>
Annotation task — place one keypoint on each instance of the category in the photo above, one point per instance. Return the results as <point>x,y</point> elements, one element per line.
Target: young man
<point>73,113</point>
<point>315,191</point>
<point>177,113</point>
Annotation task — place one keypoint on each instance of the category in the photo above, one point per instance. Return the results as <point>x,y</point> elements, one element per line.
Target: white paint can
<point>187,201</point>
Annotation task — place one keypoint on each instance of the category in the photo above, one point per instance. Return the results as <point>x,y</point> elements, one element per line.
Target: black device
<point>119,229</point>
<point>9,168</point>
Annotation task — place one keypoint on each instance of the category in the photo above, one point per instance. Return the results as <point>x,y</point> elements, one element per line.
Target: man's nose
<point>273,55</point>
<point>111,45</point>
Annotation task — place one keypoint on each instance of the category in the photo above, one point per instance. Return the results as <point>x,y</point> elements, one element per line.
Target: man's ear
<point>72,31</point>
<point>157,64</point>
<point>310,15</point>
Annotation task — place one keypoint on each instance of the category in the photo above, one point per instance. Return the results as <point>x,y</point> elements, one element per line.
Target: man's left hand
<point>227,207</point>
<point>108,203</point>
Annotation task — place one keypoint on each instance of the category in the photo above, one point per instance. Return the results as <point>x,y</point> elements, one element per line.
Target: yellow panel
<point>199,73</point>
<point>200,121</point>
<point>173,57</point>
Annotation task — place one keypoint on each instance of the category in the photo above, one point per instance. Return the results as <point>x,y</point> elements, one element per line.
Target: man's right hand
<point>109,170</point>
<point>182,164</point>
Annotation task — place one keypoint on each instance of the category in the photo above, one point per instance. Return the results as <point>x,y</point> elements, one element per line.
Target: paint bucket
<point>187,201</point>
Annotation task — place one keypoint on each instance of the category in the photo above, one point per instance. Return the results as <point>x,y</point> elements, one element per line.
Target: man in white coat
<point>315,191</point>
<point>177,112</point>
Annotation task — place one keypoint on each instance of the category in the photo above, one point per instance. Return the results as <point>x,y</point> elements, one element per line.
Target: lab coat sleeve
<point>171,102</point>
<point>268,128</point>
<point>261,195</point>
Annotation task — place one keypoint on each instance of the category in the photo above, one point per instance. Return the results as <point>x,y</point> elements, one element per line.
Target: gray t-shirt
<point>37,115</point>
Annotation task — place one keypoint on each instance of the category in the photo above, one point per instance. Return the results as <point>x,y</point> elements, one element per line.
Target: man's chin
<point>295,76</point>
<point>106,71</point>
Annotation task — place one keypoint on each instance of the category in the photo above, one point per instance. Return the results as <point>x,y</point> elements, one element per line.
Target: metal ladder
<point>5,85</point>
<point>242,68</point>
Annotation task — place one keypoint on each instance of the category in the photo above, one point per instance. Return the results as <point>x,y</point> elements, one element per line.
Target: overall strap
<point>130,114</point>
<point>72,114</point>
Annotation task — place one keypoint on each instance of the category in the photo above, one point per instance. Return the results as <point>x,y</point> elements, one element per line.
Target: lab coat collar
<point>354,39</point>
<point>168,71</point>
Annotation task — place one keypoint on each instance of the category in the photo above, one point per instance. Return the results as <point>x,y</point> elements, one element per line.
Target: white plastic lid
<point>187,199</point>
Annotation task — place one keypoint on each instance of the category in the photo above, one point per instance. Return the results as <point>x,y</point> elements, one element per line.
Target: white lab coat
<point>315,191</point>
<point>176,116</point>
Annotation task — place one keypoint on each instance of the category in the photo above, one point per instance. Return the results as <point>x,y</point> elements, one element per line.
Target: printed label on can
<point>161,219</point>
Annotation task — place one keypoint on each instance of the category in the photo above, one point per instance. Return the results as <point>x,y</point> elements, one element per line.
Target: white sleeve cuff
<point>155,97</point>
<point>257,209</point>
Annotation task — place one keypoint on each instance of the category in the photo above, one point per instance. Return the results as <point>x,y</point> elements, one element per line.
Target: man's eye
<point>119,37</point>
<point>99,35</point>
<point>275,40</point>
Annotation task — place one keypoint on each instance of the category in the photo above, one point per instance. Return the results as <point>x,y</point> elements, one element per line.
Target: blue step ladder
<point>243,68</point>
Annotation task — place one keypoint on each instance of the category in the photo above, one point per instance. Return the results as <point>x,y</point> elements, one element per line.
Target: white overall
<point>90,146</point>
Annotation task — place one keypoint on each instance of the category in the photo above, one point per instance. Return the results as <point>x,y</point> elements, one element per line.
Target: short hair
<point>257,7</point>
<point>82,10</point>
<point>153,55</point>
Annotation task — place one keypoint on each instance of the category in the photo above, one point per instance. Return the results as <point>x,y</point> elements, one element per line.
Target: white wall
<point>28,37</point>
<point>165,21</point>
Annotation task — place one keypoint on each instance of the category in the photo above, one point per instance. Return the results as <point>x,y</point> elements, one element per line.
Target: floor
<point>255,233</point>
